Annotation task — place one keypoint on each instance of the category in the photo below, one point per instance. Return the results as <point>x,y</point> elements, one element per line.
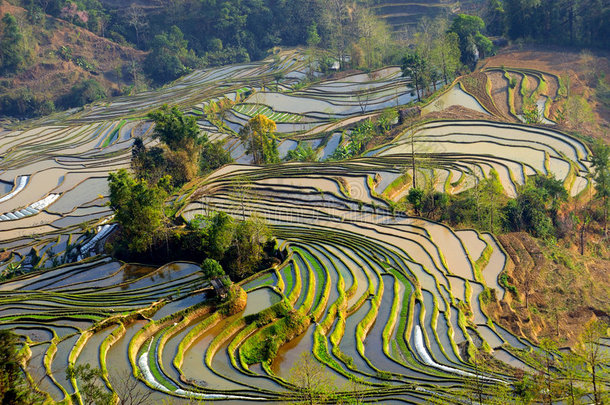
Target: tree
<point>311,378</point>
<point>360,136</point>
<point>13,387</point>
<point>526,388</point>
<point>601,164</point>
<point>313,38</point>
<point>136,19</point>
<point>415,198</point>
<point>91,388</point>
<point>386,119</point>
<point>175,129</point>
<point>129,390</point>
<point>12,53</point>
<point>535,208</point>
<point>549,347</point>
<point>139,209</point>
<point>571,367</point>
<point>594,354</point>
<point>446,54</point>
<point>575,22</point>
<point>415,67</point>
<point>490,202</point>
<point>169,57</point>
<point>85,92</point>
<point>374,37</point>
<point>472,43</point>
<point>180,134</point>
<point>213,156</point>
<point>495,17</point>
<point>258,135</point>
<point>578,112</point>
<point>248,245</point>
<point>220,232</point>
<point>211,268</point>
<point>338,21</point>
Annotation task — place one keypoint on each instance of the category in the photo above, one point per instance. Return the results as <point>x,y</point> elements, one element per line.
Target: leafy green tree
<point>415,67</point>
<point>576,22</point>
<point>495,17</point>
<point>211,268</point>
<point>213,156</point>
<point>85,92</point>
<point>169,57</point>
<point>247,249</point>
<point>139,209</point>
<point>526,388</point>
<point>12,53</point>
<point>601,164</point>
<point>446,55</point>
<point>23,103</point>
<point>220,232</point>
<point>489,203</point>
<point>360,136</point>
<point>535,207</point>
<point>531,113</point>
<point>148,163</point>
<point>595,356</point>
<point>472,43</point>
<point>313,38</point>
<point>259,137</point>
<point>416,199</point>
<point>175,129</point>
<point>180,150</point>
<point>91,386</point>
<point>341,153</point>
<point>386,119</point>
<point>13,387</point>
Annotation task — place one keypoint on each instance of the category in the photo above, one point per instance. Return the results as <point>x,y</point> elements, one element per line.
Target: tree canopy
<point>169,57</point>
<point>139,209</point>
<point>260,139</point>
<point>13,386</point>
<point>473,44</point>
<point>12,52</point>
<point>175,129</point>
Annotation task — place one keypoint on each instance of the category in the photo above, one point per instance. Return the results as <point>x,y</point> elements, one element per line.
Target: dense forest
<point>573,22</point>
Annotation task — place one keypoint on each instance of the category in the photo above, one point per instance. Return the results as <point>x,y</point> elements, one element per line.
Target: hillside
<point>63,55</point>
<point>404,15</point>
<point>404,300</point>
<point>583,74</point>
<point>558,291</point>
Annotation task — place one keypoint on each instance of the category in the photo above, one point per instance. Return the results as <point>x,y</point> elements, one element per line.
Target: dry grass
<point>565,290</point>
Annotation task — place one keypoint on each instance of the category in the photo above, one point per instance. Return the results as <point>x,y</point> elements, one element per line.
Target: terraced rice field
<point>509,87</point>
<point>404,14</point>
<point>394,301</point>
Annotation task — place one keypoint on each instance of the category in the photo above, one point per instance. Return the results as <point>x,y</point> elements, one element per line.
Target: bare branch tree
<point>130,390</point>
<point>137,19</point>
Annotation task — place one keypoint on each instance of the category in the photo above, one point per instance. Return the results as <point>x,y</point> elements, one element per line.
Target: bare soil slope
<point>562,290</point>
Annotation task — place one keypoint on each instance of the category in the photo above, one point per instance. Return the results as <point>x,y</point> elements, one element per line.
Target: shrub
<point>82,93</point>
<point>25,104</point>
<point>211,268</point>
